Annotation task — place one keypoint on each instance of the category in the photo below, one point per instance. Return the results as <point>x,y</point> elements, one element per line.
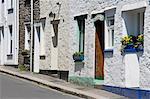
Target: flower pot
<point>78,57</point>
<point>129,46</point>
<point>130,49</point>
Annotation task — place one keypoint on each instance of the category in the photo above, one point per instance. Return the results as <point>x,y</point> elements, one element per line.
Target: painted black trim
<point>11,10</point>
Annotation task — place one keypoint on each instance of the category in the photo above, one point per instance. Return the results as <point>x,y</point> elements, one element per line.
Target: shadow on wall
<point>78,66</point>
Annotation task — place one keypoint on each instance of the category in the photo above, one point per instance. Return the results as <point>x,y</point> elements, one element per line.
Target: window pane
<point>111,22</point>
<point>81,24</point>
<point>10,46</point>
<point>110,25</point>
<point>138,23</point>
<point>10,31</point>
<point>112,38</point>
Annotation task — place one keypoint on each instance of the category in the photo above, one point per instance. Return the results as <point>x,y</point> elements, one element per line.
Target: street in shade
<point>14,88</point>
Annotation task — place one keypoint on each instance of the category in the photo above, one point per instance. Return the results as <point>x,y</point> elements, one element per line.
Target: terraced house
<point>9,30</point>
<point>25,28</point>
<point>88,42</point>
<point>109,34</point>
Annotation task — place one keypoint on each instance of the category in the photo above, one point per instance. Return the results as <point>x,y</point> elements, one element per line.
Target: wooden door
<point>99,48</point>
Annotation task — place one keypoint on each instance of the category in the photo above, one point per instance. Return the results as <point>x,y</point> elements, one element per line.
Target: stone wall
<point>25,16</point>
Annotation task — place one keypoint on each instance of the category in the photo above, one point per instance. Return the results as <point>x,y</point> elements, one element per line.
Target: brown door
<point>99,48</point>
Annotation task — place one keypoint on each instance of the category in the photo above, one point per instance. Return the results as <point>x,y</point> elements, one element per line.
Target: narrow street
<point>14,88</point>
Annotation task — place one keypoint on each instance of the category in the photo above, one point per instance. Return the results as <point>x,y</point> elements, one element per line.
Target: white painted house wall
<point>6,20</point>
<point>118,67</point>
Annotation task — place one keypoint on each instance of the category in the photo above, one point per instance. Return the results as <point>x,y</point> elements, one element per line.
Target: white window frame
<point>110,31</point>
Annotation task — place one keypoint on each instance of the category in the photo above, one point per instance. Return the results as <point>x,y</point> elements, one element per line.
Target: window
<point>140,23</point>
<point>81,28</point>
<point>27,36</point>
<point>27,2</point>
<point>81,24</point>
<point>1,33</point>
<point>110,25</point>
<point>11,5</point>
<point>38,33</point>
<point>11,40</point>
<point>109,29</point>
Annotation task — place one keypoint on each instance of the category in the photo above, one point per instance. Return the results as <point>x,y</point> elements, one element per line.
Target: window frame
<point>81,27</point>
<point>110,27</point>
<point>11,39</point>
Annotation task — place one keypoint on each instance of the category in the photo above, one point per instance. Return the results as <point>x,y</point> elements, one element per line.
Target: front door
<point>99,50</point>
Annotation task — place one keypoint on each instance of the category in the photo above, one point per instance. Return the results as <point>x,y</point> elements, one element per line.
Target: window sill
<point>10,56</point>
<point>109,50</point>
<point>10,10</point>
<point>42,57</point>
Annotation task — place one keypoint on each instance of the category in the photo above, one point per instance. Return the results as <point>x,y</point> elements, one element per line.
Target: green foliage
<point>23,68</point>
<point>135,42</point>
<point>25,52</point>
<point>78,53</point>
<point>82,81</point>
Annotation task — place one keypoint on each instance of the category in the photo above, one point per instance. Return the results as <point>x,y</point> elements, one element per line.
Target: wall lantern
<point>51,14</point>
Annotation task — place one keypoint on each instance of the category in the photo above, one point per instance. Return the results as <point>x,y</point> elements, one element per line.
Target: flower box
<point>130,50</point>
<point>25,52</point>
<point>132,43</point>
<point>78,57</point>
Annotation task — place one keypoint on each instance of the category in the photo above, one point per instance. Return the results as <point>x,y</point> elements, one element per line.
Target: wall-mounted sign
<point>99,17</point>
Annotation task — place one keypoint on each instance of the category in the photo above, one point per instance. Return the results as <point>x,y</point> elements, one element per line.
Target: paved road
<point>13,88</point>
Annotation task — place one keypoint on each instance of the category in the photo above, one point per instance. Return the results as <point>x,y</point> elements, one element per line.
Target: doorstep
<point>98,82</point>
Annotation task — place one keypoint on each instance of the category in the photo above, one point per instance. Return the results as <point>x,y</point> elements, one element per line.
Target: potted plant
<point>25,52</point>
<point>128,43</point>
<point>78,56</point>
<point>132,43</point>
<point>26,55</point>
<point>139,43</point>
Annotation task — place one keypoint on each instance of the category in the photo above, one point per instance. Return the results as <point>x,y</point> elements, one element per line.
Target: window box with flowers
<point>132,43</point>
<point>78,56</point>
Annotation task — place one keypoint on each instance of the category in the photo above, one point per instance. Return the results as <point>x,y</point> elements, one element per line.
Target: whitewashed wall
<point>115,66</point>
<point>6,20</point>
<point>56,58</point>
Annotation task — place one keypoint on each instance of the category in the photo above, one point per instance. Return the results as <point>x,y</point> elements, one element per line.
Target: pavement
<point>60,85</point>
<point>15,88</point>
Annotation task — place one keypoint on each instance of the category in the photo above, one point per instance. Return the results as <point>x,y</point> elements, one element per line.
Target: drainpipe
<point>31,45</point>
